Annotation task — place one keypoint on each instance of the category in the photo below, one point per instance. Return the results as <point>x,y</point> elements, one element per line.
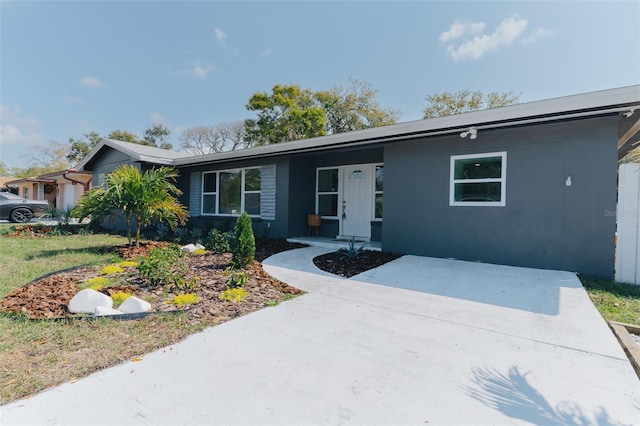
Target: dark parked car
<point>18,209</point>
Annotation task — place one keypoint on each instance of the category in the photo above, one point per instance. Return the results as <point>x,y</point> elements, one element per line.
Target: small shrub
<point>243,247</point>
<point>96,283</point>
<point>119,297</point>
<point>185,299</point>
<point>164,267</point>
<point>271,303</point>
<point>352,251</point>
<point>236,278</point>
<point>234,295</point>
<point>187,236</point>
<point>128,264</point>
<point>218,242</point>
<point>110,270</point>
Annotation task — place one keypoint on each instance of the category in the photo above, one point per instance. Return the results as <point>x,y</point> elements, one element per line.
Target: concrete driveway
<point>416,341</point>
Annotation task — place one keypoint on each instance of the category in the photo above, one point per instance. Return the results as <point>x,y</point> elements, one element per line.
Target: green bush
<point>243,246</point>
<point>235,278</point>
<point>218,241</point>
<point>164,267</point>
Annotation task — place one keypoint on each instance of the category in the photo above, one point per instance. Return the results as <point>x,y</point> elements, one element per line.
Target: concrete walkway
<point>417,341</point>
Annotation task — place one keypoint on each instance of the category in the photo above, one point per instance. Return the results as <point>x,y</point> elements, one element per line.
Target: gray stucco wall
<point>544,224</point>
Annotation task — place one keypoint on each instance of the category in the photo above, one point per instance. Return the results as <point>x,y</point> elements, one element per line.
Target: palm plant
<point>141,197</point>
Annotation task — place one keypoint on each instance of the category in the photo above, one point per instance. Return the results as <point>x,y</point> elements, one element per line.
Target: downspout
<point>85,185</point>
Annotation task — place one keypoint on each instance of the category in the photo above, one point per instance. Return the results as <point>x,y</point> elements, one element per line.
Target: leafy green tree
<point>158,136</point>
<point>354,108</point>
<point>288,113</point>
<point>124,136</point>
<point>141,197</point>
<point>4,171</point>
<point>449,103</point>
<point>79,148</point>
<point>243,244</point>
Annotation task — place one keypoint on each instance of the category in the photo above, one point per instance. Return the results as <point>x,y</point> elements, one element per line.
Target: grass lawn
<point>615,301</point>
<point>35,355</point>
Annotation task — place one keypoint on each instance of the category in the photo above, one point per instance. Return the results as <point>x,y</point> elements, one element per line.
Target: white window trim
<point>242,172</point>
<point>375,193</point>
<point>337,192</point>
<point>502,180</point>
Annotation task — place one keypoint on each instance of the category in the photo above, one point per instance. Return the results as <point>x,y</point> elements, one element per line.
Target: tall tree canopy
<point>291,113</point>
<point>450,103</point>
<point>79,148</point>
<point>354,108</point>
<point>158,136</point>
<point>205,140</point>
<point>288,113</point>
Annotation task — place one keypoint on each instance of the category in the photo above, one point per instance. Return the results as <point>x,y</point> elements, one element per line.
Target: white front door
<point>357,201</point>
<point>68,196</point>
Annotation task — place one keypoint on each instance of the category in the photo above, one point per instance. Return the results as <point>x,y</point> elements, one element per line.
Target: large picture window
<point>230,192</point>
<point>327,192</point>
<point>478,179</point>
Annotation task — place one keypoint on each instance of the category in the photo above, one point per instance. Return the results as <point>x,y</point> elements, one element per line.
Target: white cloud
<point>196,69</point>
<point>507,32</point>
<point>537,34</point>
<point>266,52</point>
<point>92,82</point>
<point>459,29</point>
<point>157,118</point>
<point>73,100</point>
<point>17,135</point>
<point>221,36</point>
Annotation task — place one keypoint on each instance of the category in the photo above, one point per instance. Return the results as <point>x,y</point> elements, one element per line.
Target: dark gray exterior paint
<point>107,162</point>
<point>544,224</point>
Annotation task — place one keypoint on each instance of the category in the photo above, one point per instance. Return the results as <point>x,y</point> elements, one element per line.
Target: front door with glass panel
<point>355,211</point>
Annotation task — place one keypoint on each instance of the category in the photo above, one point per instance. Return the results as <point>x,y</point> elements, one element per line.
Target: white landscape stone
<point>103,310</point>
<point>134,305</point>
<point>189,248</point>
<point>86,301</point>
<point>199,247</point>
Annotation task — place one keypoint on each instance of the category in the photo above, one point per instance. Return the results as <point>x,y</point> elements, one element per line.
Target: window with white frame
<point>230,192</point>
<point>377,191</point>
<point>327,192</point>
<point>478,179</point>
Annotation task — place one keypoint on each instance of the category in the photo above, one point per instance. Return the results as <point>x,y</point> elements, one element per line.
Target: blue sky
<point>67,68</point>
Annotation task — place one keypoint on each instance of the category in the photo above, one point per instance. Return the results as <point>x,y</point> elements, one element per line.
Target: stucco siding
<point>545,224</point>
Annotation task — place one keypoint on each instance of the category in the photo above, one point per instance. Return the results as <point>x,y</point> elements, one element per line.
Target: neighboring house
<point>526,185</point>
<point>62,189</point>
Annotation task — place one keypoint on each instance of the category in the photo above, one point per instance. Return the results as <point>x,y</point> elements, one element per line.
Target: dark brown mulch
<point>48,297</point>
<point>339,264</point>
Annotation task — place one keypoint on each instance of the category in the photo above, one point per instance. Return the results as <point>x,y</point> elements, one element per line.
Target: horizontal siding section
<point>268,192</point>
<point>195,193</point>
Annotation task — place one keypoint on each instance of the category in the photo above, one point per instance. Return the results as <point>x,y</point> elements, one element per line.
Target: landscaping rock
<point>135,305</point>
<point>86,301</point>
<point>103,311</point>
<point>190,248</point>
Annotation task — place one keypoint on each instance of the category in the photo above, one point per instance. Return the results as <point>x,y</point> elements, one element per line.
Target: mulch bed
<point>47,298</point>
<point>339,264</point>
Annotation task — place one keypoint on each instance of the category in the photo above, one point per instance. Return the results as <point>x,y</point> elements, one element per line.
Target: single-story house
<point>62,188</point>
<point>527,185</point>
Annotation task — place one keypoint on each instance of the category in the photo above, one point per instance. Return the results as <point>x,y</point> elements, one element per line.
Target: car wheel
<point>21,215</point>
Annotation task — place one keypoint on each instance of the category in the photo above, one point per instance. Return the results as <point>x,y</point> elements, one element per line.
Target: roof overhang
<point>619,101</point>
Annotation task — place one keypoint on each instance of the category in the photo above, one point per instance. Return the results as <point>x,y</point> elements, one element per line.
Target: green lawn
<point>615,301</point>
<point>35,355</point>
